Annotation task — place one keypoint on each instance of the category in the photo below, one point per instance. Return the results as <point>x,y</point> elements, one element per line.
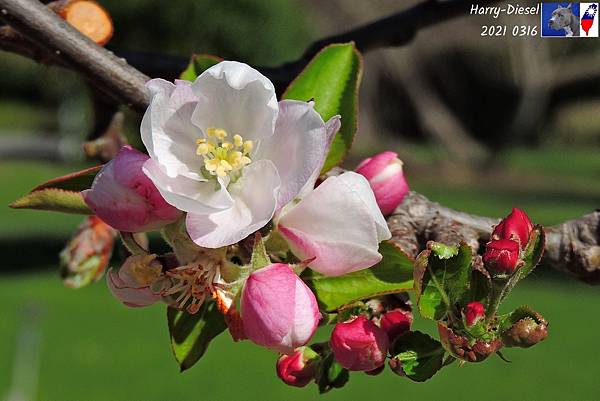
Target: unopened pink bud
<point>279,311</point>
<point>515,226</point>
<point>359,344</point>
<point>124,198</point>
<point>474,312</point>
<point>386,177</point>
<point>299,368</point>
<point>501,256</point>
<point>396,322</point>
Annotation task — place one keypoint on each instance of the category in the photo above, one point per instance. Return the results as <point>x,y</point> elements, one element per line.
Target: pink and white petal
<point>187,194</point>
<point>267,305</point>
<point>106,201</point>
<point>237,98</point>
<point>332,126</point>
<point>255,200</point>
<point>130,296</point>
<point>362,189</point>
<point>333,225</point>
<point>167,130</point>
<point>306,315</point>
<point>297,148</point>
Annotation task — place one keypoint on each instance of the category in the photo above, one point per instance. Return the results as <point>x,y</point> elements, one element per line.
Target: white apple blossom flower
<point>226,152</point>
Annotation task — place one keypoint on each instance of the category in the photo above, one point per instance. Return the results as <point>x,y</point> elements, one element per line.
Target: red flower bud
<point>396,322</point>
<point>474,312</point>
<point>515,226</point>
<point>501,256</point>
<point>359,344</point>
<point>299,368</point>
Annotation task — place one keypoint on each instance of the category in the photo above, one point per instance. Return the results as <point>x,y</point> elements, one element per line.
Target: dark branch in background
<point>49,32</point>
<point>572,247</point>
<point>395,30</point>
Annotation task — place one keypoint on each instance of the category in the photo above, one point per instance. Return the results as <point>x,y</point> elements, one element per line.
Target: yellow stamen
<point>223,157</point>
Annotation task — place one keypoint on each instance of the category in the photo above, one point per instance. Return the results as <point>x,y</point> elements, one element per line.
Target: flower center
<point>221,157</point>
<point>193,283</point>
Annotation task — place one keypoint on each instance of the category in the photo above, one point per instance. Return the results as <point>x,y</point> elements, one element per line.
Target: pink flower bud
<point>385,175</point>
<point>501,256</point>
<point>124,198</point>
<point>396,322</point>
<point>299,368</point>
<point>359,344</point>
<point>279,311</point>
<point>133,283</point>
<point>474,312</point>
<point>515,226</point>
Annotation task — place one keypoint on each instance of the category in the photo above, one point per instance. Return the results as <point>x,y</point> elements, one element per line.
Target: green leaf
<point>57,200</point>
<point>417,356</point>
<point>444,251</point>
<point>440,279</point>
<point>260,257</point>
<point>533,252</point>
<point>61,194</point>
<point>392,275</point>
<point>331,375</point>
<point>191,334</point>
<point>522,312</point>
<point>332,80</point>
<point>198,64</point>
<point>481,283</point>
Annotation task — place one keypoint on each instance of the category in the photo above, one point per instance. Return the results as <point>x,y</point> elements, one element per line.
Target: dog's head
<point>561,17</point>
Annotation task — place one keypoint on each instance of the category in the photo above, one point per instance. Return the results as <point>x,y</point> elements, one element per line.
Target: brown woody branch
<point>572,247</point>
<point>51,35</point>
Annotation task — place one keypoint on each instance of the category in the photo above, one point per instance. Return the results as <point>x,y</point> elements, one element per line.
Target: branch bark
<point>55,36</point>
<point>572,247</point>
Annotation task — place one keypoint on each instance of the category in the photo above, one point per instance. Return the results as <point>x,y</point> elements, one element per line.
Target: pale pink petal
<point>237,98</point>
<point>255,200</point>
<point>333,225</point>
<point>188,194</point>
<point>130,296</point>
<point>167,130</point>
<point>297,148</point>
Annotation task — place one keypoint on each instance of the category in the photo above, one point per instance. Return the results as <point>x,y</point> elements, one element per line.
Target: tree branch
<point>55,36</point>
<point>572,247</point>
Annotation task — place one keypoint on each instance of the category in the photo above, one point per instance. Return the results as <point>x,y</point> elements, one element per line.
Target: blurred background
<point>482,124</point>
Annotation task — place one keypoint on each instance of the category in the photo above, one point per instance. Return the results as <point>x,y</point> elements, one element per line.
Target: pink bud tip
<point>474,312</point>
<point>359,344</point>
<point>279,311</point>
<point>299,368</point>
<point>386,177</point>
<point>124,198</point>
<point>396,322</point>
<point>501,256</point>
<point>515,226</point>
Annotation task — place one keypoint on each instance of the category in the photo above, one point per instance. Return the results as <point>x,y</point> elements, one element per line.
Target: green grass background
<point>92,348</point>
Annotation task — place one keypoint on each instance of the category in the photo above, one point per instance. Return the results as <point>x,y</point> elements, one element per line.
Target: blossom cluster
<point>226,160</point>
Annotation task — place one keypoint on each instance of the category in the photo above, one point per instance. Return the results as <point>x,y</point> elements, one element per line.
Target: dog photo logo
<point>589,20</point>
<point>561,19</point>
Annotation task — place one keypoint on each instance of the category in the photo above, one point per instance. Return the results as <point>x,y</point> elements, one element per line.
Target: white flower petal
<point>332,126</point>
<point>255,200</point>
<point>237,98</point>
<point>187,194</point>
<point>298,147</point>
<point>334,225</point>
<point>167,130</point>
<point>362,189</point>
